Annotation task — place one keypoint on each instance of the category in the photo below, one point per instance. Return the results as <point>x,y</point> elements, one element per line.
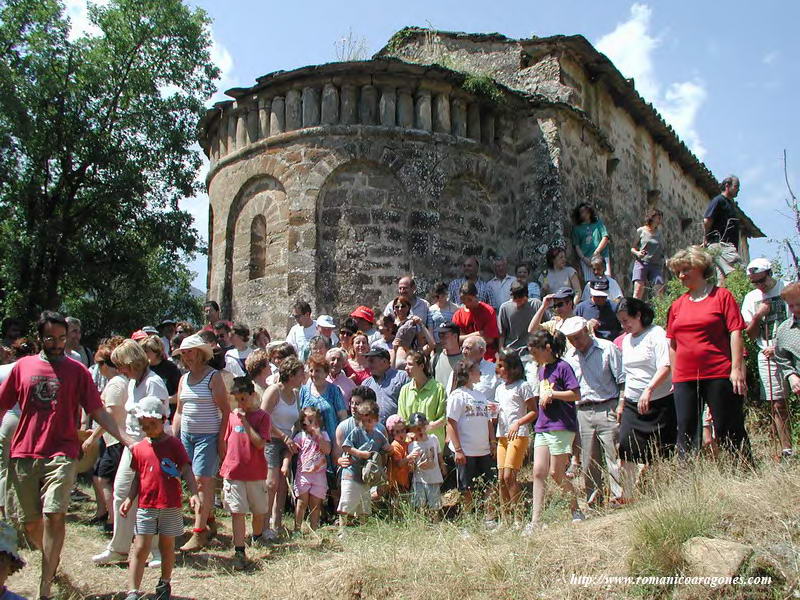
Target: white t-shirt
<point>488,383</point>
<point>469,409</point>
<point>512,398</point>
<point>152,385</point>
<point>115,394</point>
<point>777,314</point>
<point>300,336</point>
<point>429,456</point>
<point>642,356</point>
<point>234,361</point>
<point>5,371</point>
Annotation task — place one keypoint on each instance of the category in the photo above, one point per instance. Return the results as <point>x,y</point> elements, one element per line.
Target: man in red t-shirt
<point>50,389</point>
<point>477,318</point>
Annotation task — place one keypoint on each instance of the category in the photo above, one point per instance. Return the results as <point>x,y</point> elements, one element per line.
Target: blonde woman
<point>200,422</point>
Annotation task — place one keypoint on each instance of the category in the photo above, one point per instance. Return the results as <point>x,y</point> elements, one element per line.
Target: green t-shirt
<point>430,400</point>
<point>587,237</point>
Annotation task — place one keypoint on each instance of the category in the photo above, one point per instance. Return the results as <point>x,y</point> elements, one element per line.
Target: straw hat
<point>195,341</point>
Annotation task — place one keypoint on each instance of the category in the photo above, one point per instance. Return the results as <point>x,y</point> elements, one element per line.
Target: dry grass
<point>409,558</point>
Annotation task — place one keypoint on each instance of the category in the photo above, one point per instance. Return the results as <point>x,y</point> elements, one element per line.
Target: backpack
<point>373,472</point>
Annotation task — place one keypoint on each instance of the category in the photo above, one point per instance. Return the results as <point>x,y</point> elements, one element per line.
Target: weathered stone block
<point>458,113</point>
<point>405,109</point>
<point>294,110</point>
<point>368,106</point>
<point>349,106</point>
<point>388,107</point>
<point>422,111</point>
<point>330,104</point>
<point>441,116</point>
<point>277,119</point>
<point>311,106</point>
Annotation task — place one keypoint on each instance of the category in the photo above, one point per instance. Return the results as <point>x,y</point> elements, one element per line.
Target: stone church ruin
<point>328,182</point>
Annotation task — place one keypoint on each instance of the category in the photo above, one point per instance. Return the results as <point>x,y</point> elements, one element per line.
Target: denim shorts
<point>202,451</point>
<point>649,273</point>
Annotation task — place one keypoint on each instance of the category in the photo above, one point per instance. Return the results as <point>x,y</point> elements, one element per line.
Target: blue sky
<point>725,75</point>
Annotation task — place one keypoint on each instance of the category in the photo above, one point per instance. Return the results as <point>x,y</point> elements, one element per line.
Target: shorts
<point>559,442</point>
<point>426,495</point>
<point>355,499</point>
<point>650,273</point>
<point>314,483</point>
<point>725,257</point>
<point>245,497</point>
<point>42,485</point>
<point>273,452</point>
<point>511,454</point>
<point>202,451</point>
<point>769,372</point>
<point>161,521</point>
<point>479,470</point>
<point>106,467</point>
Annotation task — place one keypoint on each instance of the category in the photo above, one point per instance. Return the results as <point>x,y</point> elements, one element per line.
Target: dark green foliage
<point>96,138</point>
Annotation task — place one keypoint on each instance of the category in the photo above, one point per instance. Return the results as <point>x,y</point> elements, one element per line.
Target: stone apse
<point>328,182</point>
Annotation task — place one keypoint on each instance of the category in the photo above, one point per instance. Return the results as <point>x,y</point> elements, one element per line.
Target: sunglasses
<point>558,304</point>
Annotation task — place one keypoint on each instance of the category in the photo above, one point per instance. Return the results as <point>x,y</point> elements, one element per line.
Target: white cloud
<point>770,57</point>
<point>224,61</point>
<point>631,47</point>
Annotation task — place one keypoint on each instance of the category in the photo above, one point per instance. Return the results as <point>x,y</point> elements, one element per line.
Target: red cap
<point>139,335</point>
<point>364,312</point>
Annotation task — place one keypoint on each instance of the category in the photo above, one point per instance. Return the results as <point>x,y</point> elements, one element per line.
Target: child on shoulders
<point>244,470</point>
<point>158,462</point>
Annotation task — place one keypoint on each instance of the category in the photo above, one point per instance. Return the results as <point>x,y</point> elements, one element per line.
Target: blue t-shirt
<point>361,440</point>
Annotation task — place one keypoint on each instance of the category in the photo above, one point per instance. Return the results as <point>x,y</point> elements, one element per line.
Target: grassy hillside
<point>407,557</point>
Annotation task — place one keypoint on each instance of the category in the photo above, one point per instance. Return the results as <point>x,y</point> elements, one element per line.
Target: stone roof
<point>622,90</point>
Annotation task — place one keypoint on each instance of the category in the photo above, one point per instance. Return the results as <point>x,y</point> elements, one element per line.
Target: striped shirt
<point>199,411</point>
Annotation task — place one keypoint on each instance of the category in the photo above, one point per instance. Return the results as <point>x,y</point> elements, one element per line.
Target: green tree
<point>96,138</point>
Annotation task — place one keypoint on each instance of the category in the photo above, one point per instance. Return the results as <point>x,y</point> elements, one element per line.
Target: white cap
<point>151,407</point>
<point>759,265</point>
<point>573,325</point>
<point>194,341</point>
<point>326,321</point>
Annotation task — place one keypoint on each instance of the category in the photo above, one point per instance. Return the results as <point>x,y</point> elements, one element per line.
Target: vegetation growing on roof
<point>399,38</point>
<point>484,86</point>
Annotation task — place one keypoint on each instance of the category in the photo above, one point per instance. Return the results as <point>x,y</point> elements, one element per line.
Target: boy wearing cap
<point>764,310</point>
<point>599,311</point>
<point>159,462</point>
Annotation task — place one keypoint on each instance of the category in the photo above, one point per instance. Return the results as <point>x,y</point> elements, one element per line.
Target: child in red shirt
<point>158,461</point>
<point>245,468</point>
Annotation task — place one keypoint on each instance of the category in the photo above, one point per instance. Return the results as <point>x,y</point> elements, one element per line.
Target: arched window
<point>258,247</point>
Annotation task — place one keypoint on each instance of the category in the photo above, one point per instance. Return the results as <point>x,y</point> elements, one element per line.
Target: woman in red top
<point>356,367</point>
<point>707,355</point>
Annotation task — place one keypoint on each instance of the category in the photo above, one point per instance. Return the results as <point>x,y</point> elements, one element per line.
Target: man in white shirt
<point>763,310</point>
<point>473,349</point>
<point>500,285</point>
<point>301,333</point>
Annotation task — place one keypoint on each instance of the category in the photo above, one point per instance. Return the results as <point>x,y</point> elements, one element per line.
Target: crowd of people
<point>405,404</point>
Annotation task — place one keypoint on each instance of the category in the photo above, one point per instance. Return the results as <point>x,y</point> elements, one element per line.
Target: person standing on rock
<point>51,390</point>
<point>721,226</point>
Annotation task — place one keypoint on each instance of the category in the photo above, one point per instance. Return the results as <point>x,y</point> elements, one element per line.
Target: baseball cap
<point>573,325</point>
<point>150,406</point>
<point>563,293</point>
<point>150,330</point>
<point>364,312</point>
<point>325,321</point>
<point>139,335</point>
<point>759,265</point>
<point>449,327</point>
<point>166,322</point>
<point>599,287</point>
<point>377,353</point>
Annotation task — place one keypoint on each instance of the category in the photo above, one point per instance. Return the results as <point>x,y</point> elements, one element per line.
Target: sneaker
<point>269,535</point>
<point>258,541</point>
<point>198,540</point>
<point>134,595</point>
<point>163,590</point>
<point>107,557</point>
<point>787,453</point>
<point>594,499</point>
<point>578,516</point>
<point>154,563</point>
<point>572,470</point>
<point>239,561</point>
